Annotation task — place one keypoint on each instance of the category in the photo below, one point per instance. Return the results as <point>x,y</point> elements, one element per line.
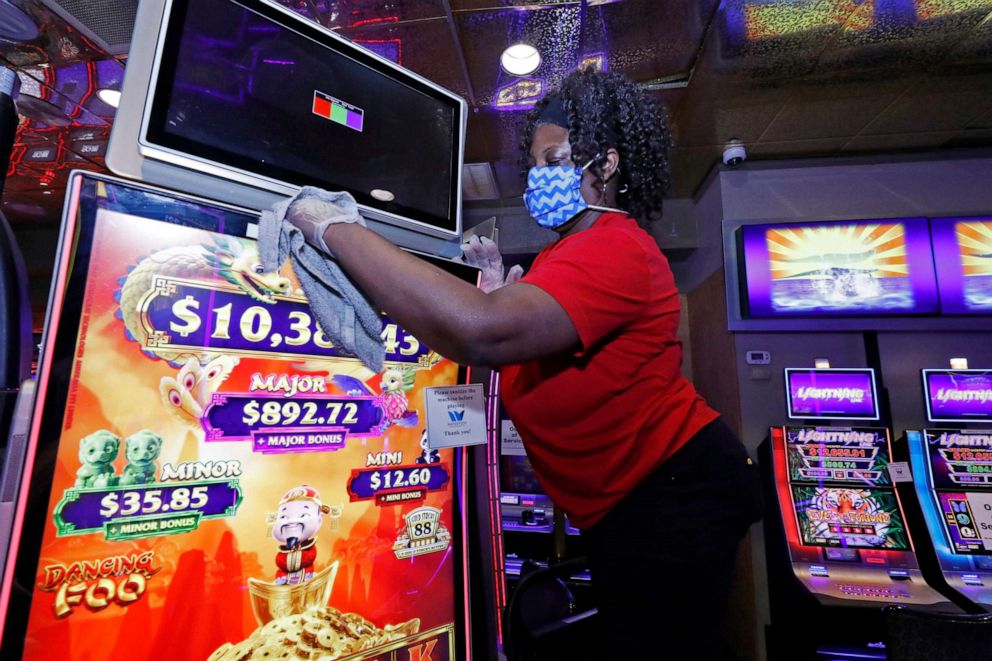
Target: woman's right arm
<point>513,324</point>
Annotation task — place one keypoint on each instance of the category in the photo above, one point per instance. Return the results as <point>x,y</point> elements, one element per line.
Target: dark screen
<point>239,87</point>
<point>517,476</point>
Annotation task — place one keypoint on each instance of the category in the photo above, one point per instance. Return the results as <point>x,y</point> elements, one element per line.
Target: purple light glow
<point>958,395</point>
<point>847,394</point>
<point>596,61</point>
<point>519,95</point>
<point>391,49</point>
<point>839,268</point>
<point>962,250</point>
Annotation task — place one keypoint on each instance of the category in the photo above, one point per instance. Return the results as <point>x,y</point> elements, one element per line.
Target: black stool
<point>913,635</point>
<point>542,621</point>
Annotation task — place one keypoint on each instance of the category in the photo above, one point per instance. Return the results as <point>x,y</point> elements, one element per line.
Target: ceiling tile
<point>53,43</point>
<point>790,148</point>
<point>355,14</point>
<point>690,166</point>
<point>827,110</point>
<point>899,141</point>
<point>975,47</point>
<point>425,47</point>
<point>971,137</point>
<point>943,103</point>
<point>777,39</point>
<point>902,35</point>
<point>525,5</point>
<point>715,112</point>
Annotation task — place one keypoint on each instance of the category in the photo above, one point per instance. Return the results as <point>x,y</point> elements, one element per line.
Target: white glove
<point>483,254</point>
<point>313,215</point>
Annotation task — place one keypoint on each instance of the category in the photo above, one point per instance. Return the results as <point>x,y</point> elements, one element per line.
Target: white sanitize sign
<point>456,416</point>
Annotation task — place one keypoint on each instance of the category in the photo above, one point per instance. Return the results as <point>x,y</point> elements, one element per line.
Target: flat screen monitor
<point>958,395</point>
<point>838,268</point>
<point>205,462</point>
<point>249,91</point>
<point>516,475</point>
<point>850,517</point>
<point>819,455</point>
<point>960,459</point>
<point>831,394</point>
<point>962,249</point>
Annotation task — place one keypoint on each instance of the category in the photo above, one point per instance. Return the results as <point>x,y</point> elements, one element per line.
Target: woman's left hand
<point>484,255</point>
<point>313,215</point>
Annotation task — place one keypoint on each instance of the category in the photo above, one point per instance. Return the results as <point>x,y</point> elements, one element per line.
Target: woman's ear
<point>612,163</point>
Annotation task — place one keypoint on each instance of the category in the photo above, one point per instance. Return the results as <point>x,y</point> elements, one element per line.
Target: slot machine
<point>207,475</point>
<point>532,535</point>
<point>204,460</point>
<point>952,477</point>
<point>838,545</point>
<point>526,512</point>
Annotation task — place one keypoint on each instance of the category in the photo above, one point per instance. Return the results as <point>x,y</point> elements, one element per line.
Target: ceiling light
<point>520,60</point>
<point>111,97</point>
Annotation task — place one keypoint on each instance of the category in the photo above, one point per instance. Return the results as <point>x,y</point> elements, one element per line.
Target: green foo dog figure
<point>141,449</point>
<point>97,453</point>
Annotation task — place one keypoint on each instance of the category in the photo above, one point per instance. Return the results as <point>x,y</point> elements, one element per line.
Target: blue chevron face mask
<point>553,196</point>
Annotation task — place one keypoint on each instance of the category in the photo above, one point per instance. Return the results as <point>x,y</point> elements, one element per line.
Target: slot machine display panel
<point>831,394</point>
<point>961,248</point>
<point>844,523</point>
<point>952,476</point>
<point>207,467</point>
<point>842,268</point>
<point>958,396</point>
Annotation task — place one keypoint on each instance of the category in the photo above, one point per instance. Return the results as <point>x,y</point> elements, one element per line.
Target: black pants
<point>663,559</point>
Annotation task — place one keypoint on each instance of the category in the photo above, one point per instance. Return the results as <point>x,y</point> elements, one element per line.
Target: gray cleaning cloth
<point>342,311</point>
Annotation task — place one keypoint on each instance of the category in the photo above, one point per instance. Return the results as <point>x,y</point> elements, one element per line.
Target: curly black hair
<point>607,110</point>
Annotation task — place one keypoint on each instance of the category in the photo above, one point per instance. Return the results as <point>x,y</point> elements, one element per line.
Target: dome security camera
<point>734,153</point>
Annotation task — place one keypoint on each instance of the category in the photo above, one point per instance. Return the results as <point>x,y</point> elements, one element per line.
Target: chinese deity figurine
<point>299,517</point>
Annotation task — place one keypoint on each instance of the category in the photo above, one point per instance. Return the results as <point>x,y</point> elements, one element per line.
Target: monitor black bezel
<point>154,134</point>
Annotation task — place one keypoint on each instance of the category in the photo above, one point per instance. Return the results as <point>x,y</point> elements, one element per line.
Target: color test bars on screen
<point>338,111</point>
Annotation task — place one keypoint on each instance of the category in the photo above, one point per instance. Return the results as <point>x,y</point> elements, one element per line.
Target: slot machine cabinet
<point>226,109</point>
<point>952,479</point>
<point>837,540</point>
<point>532,534</point>
<point>204,461</point>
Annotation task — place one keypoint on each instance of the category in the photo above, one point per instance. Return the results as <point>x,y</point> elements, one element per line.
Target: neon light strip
<point>495,511</point>
<point>462,468</point>
<point>71,217</point>
<point>902,511</point>
<point>919,463</point>
<point>790,519</point>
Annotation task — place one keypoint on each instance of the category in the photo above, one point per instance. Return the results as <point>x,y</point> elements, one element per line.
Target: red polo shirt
<point>596,423</point>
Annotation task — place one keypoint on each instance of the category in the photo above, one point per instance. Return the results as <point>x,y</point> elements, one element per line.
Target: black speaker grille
<point>110,22</point>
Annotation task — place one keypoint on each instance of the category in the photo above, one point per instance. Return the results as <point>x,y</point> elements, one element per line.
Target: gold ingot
<point>270,601</point>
